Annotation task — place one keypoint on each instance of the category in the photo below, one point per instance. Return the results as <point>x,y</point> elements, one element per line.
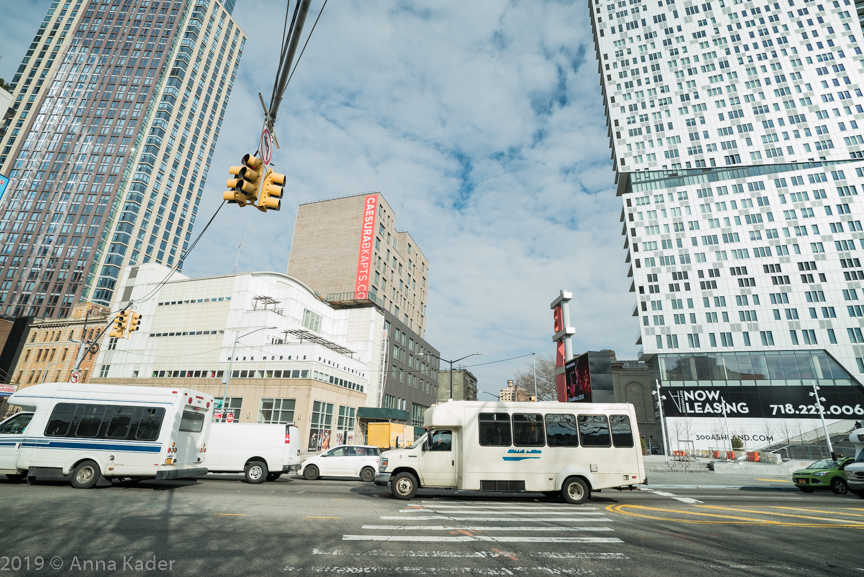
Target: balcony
<point>349,300</point>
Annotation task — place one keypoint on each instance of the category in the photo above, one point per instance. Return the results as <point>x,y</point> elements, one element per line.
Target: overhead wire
<point>286,35</point>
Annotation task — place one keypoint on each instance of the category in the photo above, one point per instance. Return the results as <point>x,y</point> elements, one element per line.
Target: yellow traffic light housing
<point>244,188</point>
<point>134,322</point>
<point>271,191</point>
<point>118,330</point>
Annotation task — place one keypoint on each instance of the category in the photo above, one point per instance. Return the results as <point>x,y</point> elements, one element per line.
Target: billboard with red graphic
<point>367,238</point>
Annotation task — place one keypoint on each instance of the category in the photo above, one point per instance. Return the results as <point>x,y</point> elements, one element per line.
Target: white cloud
<point>481,123</point>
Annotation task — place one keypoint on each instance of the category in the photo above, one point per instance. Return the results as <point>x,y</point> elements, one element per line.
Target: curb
<point>735,487</point>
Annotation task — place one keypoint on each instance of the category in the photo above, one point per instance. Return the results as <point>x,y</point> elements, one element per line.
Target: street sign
<point>7,390</point>
<point>75,377</point>
<point>230,418</point>
<point>217,415</point>
<point>266,146</point>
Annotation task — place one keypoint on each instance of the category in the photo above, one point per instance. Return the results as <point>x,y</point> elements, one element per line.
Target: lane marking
<point>229,515</point>
<point>774,480</point>
<point>688,500</point>
<point>470,554</point>
<point>784,515</point>
<point>425,570</point>
<point>503,519</point>
<point>466,539</point>
<point>445,528</point>
<point>310,517</point>
<point>820,511</point>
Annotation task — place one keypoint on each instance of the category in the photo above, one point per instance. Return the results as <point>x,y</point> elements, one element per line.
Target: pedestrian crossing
<point>487,521</point>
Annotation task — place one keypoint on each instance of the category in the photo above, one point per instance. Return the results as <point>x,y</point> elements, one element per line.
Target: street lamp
<point>660,399</point>
<point>815,394</point>
<point>45,374</point>
<point>227,378</point>
<point>451,371</point>
<point>485,393</point>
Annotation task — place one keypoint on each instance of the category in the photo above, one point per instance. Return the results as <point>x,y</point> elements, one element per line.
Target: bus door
<point>438,459</point>
<point>11,437</point>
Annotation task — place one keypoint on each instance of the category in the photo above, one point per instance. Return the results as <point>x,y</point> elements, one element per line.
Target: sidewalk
<point>708,480</point>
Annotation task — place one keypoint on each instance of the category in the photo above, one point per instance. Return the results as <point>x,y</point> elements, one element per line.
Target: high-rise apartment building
<point>734,128</point>
<point>349,249</point>
<point>117,108</point>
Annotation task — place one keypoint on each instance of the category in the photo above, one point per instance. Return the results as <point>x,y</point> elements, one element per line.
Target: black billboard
<point>763,402</point>
<point>588,378</point>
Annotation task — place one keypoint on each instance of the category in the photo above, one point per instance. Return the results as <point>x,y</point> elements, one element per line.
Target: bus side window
<point>91,419</point>
<point>151,422</point>
<point>494,429</point>
<point>60,419</point>
<point>118,426</point>
<point>528,430</point>
<point>561,431</point>
<point>594,430</point>
<point>622,434</point>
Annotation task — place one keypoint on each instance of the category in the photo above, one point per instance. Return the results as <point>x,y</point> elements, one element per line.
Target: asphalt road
<point>221,526</point>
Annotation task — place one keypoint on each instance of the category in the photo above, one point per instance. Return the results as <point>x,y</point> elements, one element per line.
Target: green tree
<point>5,85</point>
<point>644,446</point>
<point>737,443</point>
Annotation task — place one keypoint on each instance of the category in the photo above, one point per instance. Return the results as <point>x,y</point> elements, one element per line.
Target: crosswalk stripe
<point>445,528</point>
<point>456,554</point>
<point>484,512</point>
<point>503,519</point>
<point>503,507</point>
<point>467,538</point>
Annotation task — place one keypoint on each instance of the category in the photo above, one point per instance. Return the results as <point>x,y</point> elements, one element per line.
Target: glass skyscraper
<point>734,128</point>
<point>117,108</point>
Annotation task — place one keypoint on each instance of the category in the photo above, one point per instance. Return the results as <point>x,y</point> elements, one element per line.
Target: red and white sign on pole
<point>266,147</point>
<point>7,390</point>
<point>367,236</point>
<point>75,377</point>
<point>230,417</point>
<point>217,415</point>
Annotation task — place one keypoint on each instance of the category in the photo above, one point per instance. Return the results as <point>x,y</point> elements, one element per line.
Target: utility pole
<point>534,366</point>
<point>660,399</point>
<point>227,378</point>
<point>726,419</point>
<point>819,400</point>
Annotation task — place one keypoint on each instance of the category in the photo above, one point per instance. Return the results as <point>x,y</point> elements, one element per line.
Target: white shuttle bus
<point>566,449</point>
<point>83,432</point>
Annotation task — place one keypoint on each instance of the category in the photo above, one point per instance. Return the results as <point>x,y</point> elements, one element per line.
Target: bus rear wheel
<point>575,491</point>
<point>404,486</point>
<point>85,475</point>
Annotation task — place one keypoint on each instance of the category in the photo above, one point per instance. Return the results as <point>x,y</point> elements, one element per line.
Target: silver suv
<point>855,471</point>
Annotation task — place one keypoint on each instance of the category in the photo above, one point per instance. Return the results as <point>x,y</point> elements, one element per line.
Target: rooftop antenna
<point>236,260</point>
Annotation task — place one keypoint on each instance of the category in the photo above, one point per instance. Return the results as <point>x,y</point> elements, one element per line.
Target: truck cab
<point>432,461</point>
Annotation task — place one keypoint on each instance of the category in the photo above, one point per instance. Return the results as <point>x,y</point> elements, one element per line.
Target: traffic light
<point>118,331</point>
<point>532,398</point>
<point>271,191</point>
<point>244,188</point>
<point>134,322</point>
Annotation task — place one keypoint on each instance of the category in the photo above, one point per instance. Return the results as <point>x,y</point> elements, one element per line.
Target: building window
<point>103,372</point>
<point>276,411</point>
<point>767,338</point>
<point>232,405</point>
<point>746,339</point>
<point>860,362</point>
<point>322,423</point>
<point>311,321</point>
<point>389,402</point>
<point>345,426</point>
<point>418,414</point>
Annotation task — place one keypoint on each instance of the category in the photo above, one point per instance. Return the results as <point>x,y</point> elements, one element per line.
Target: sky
<point>482,125</point>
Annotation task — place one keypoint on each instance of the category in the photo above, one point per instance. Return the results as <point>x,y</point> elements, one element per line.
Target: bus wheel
<point>575,491</point>
<point>273,476</point>
<point>85,475</point>
<point>256,472</point>
<point>367,475</point>
<point>404,486</point>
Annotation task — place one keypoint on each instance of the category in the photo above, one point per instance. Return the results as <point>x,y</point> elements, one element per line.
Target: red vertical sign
<point>367,237</point>
<point>560,383</point>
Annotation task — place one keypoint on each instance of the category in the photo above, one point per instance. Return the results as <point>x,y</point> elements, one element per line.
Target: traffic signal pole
<point>285,72</point>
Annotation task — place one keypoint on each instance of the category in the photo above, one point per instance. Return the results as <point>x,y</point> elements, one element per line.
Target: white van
<point>855,471</point>
<point>259,451</point>
<point>567,449</point>
<point>83,432</point>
